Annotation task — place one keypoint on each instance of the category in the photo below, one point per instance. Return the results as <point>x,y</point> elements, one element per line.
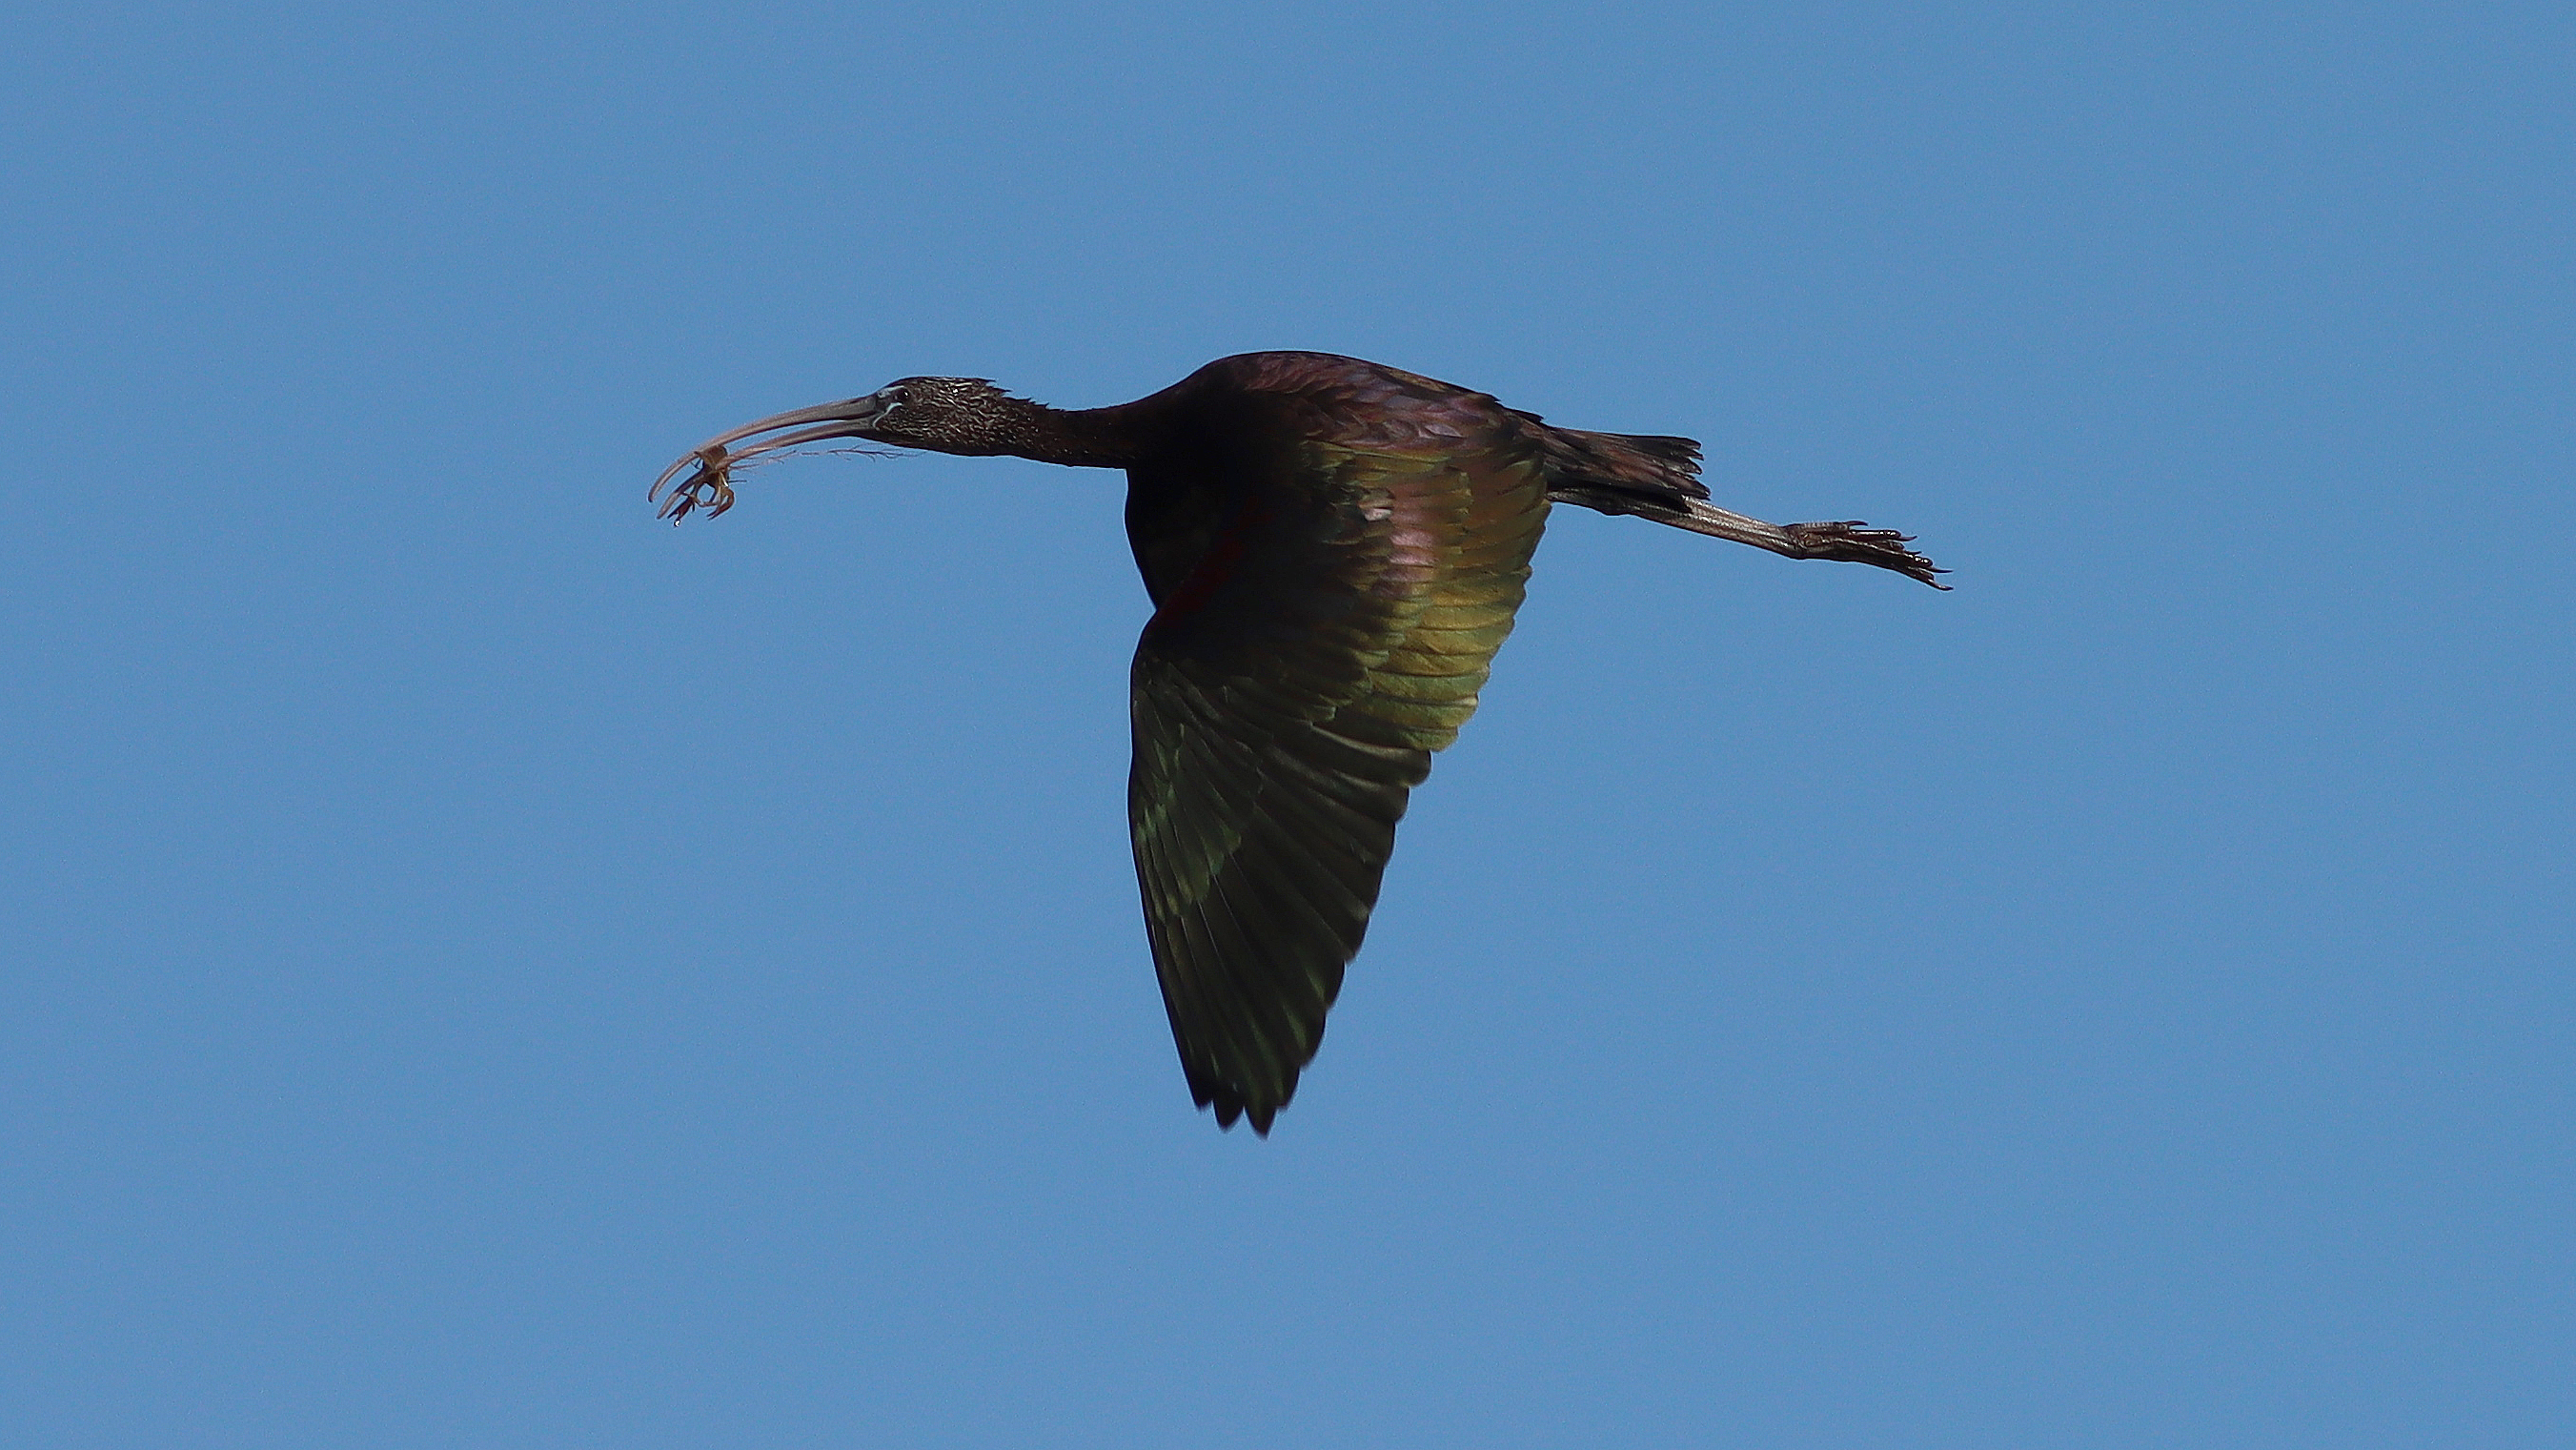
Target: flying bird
<point>1334,549</point>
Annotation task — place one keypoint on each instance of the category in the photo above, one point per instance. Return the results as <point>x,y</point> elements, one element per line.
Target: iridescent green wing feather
<point>1345,616</point>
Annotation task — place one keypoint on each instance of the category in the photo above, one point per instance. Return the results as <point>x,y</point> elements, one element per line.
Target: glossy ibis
<point>1334,550</point>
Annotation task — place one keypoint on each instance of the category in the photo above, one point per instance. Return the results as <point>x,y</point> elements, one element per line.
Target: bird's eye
<point>893,397</point>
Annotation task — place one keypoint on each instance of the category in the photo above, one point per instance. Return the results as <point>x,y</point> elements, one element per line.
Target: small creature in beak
<point>708,487</point>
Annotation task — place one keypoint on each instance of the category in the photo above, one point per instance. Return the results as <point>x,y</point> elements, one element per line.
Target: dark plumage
<point>1334,550</point>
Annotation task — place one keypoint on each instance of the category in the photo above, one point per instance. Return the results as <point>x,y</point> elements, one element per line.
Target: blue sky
<point>485,969</point>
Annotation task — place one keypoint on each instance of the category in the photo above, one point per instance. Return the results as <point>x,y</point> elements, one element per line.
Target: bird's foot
<point>1854,542</point>
<point>709,486</point>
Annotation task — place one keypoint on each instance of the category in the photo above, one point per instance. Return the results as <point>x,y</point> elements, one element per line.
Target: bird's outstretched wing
<point>1333,632</point>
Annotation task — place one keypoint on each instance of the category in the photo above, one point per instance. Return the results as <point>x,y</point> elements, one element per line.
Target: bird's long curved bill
<point>717,456</point>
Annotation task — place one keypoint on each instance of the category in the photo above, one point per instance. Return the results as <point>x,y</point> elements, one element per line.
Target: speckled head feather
<point>952,415</point>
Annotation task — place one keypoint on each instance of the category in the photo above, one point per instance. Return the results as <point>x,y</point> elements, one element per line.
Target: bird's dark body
<point>1334,550</point>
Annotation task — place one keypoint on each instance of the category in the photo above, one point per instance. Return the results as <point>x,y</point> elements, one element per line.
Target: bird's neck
<point>1079,438</point>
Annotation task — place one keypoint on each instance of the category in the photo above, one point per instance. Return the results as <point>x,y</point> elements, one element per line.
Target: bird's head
<point>945,415</point>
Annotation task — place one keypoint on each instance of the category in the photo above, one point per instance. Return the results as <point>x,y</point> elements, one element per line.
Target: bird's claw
<point>1855,542</point>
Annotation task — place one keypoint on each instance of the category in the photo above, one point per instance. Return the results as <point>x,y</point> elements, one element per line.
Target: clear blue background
<point>485,969</point>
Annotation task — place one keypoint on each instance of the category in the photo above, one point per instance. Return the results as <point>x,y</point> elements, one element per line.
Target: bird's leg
<point>1847,540</point>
